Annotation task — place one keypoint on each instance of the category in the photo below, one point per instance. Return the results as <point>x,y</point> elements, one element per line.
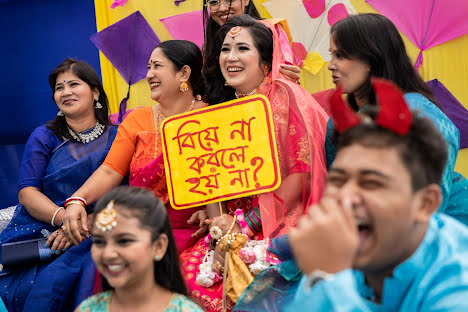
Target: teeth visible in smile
<point>234,69</point>
<point>115,268</point>
<point>360,222</point>
<point>155,84</point>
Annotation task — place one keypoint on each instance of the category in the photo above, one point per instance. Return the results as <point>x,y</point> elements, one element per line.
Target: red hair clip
<point>394,113</point>
<point>343,116</point>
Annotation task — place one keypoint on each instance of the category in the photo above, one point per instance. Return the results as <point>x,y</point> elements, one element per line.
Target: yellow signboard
<point>220,152</point>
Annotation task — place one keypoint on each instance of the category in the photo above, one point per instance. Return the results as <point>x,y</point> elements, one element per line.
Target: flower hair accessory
<point>394,113</point>
<point>235,31</point>
<point>106,219</point>
<point>216,232</point>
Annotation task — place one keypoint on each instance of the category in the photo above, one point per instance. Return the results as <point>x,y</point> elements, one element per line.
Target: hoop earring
<point>60,113</point>
<point>183,86</point>
<point>97,105</point>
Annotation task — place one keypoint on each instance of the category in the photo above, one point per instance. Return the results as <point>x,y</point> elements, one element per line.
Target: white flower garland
<point>206,277</point>
<point>254,254</point>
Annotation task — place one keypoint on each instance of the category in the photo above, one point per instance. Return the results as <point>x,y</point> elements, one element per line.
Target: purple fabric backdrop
<point>452,108</point>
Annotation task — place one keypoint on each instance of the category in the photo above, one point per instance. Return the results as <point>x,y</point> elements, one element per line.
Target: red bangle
<point>75,200</point>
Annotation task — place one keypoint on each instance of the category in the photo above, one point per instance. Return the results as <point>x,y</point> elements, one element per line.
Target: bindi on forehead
<point>235,31</point>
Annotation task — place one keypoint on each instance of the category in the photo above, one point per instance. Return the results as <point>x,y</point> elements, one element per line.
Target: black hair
<point>85,72</point>
<point>210,27</point>
<point>181,53</point>
<point>217,91</point>
<point>374,40</point>
<point>423,150</point>
<point>151,213</point>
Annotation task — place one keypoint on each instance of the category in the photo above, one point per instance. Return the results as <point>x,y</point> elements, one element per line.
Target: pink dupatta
<point>300,127</point>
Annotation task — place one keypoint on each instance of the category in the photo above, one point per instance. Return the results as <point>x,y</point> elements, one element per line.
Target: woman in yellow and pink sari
<point>249,54</point>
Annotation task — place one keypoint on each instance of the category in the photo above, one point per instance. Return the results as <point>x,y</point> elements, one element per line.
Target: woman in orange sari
<point>174,76</point>
<point>249,54</point>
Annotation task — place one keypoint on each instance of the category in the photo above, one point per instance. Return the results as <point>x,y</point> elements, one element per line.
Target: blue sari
<point>58,168</point>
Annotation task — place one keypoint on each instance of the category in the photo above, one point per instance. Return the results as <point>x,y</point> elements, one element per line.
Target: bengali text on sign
<point>220,152</point>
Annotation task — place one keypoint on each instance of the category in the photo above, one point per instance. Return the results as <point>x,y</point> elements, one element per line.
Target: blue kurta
<point>434,278</point>
<point>58,168</point>
<point>454,186</point>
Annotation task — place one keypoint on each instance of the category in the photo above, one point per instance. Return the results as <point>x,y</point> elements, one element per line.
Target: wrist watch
<point>315,277</point>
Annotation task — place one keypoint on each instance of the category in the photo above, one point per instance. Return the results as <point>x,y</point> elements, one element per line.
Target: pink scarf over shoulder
<point>300,127</point>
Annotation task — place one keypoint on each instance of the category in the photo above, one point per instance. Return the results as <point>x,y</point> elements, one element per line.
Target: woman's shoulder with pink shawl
<point>302,100</point>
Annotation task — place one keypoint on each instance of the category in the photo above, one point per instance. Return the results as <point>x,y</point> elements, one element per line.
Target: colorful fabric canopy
<point>426,23</point>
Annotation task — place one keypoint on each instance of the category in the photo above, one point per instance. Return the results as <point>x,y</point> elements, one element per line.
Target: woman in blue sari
<point>58,158</point>
<point>364,46</point>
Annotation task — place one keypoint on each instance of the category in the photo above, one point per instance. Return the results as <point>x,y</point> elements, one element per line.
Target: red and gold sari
<point>300,126</point>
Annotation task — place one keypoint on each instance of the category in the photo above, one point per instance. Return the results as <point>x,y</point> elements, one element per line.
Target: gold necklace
<point>239,95</point>
<point>159,119</point>
<point>162,116</point>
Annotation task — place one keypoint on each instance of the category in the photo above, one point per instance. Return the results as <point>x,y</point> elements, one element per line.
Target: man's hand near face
<point>326,238</point>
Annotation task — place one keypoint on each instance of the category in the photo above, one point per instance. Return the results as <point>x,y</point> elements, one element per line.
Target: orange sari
<point>137,150</point>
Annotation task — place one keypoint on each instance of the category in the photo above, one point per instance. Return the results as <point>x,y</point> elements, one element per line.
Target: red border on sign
<point>270,138</point>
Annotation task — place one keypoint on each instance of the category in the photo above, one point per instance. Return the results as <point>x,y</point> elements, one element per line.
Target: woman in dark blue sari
<point>58,159</point>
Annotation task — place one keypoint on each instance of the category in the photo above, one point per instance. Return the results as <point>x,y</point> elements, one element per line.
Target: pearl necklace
<point>239,95</point>
<point>98,129</point>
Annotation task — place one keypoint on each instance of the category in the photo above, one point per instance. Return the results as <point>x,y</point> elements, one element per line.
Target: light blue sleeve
<point>449,131</point>
<point>337,293</point>
<point>448,292</point>
<point>2,306</point>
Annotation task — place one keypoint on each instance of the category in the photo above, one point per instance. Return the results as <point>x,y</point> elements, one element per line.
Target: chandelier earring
<point>60,113</point>
<point>97,104</point>
<point>183,86</point>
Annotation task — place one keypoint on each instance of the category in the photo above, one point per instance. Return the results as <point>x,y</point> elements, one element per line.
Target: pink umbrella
<point>426,23</point>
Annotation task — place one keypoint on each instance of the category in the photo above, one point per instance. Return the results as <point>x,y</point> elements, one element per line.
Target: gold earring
<point>265,70</point>
<point>183,86</point>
